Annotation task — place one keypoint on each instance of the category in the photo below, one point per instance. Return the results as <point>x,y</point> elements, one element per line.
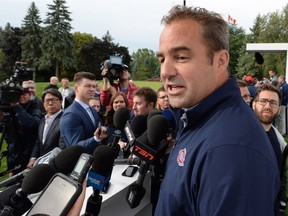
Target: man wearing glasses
<point>49,135</point>
<point>162,99</point>
<point>267,107</point>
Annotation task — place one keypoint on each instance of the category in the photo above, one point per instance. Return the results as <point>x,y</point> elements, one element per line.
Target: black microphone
<point>120,118</point>
<point>34,182</point>
<point>168,114</point>
<point>128,161</point>
<point>151,145</point>
<point>66,160</point>
<point>149,153</point>
<point>14,179</point>
<point>48,156</point>
<point>135,128</point>
<point>19,176</point>
<point>98,177</point>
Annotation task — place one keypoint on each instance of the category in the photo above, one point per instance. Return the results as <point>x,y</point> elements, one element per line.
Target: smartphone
<point>81,168</point>
<point>58,196</point>
<point>99,129</point>
<point>130,171</point>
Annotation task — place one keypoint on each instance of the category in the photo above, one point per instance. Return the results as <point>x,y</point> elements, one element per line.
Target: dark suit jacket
<point>77,127</point>
<point>53,138</point>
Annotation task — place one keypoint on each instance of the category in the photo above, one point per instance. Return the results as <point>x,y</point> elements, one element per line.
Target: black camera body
<point>114,66</point>
<point>10,91</point>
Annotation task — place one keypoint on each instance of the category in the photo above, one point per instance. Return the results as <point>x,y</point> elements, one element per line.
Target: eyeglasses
<point>263,102</point>
<point>166,96</point>
<point>53,100</point>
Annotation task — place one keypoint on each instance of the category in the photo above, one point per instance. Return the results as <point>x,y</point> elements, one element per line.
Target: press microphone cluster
<point>149,147</point>
<point>45,159</point>
<point>34,182</point>
<point>38,177</point>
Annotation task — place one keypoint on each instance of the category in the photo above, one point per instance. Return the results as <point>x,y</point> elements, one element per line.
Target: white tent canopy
<point>270,48</point>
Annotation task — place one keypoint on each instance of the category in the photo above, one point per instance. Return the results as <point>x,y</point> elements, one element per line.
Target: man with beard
<point>267,107</point>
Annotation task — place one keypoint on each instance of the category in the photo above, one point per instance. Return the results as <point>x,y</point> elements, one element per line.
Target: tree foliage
<point>32,38</point>
<point>11,47</point>
<point>269,28</point>
<point>57,43</point>
<point>145,64</point>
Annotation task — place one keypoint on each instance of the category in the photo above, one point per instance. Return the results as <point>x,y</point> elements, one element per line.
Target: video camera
<point>10,91</point>
<point>114,66</point>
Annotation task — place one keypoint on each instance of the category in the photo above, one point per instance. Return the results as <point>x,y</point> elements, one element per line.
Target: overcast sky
<point>133,23</point>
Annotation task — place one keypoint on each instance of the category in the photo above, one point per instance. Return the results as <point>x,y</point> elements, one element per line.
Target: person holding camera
<point>21,134</point>
<point>109,88</point>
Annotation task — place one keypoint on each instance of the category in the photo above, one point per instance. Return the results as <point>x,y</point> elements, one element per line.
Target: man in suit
<point>49,135</point>
<point>79,122</point>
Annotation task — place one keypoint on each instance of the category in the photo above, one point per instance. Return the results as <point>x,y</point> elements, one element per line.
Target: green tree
<point>30,43</point>
<point>11,47</point>
<point>93,54</point>
<point>145,64</point>
<point>237,41</point>
<point>57,44</point>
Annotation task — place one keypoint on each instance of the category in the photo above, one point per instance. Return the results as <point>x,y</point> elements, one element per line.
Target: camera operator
<point>25,115</point>
<point>109,88</point>
<point>31,85</point>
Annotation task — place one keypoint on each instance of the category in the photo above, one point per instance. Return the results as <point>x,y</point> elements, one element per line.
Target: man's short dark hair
<point>83,75</point>
<point>147,93</point>
<point>242,83</point>
<point>53,92</point>
<point>268,87</point>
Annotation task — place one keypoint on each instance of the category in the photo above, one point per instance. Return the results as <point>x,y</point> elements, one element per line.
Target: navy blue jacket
<point>284,93</point>
<point>222,163</point>
<point>77,127</point>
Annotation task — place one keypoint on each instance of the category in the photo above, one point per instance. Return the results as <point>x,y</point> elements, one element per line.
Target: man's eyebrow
<point>175,49</point>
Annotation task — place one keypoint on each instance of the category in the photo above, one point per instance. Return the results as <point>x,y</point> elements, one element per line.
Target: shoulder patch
<point>181,157</point>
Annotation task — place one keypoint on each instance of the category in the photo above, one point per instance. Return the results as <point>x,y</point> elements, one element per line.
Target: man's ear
<point>222,58</point>
<point>253,105</point>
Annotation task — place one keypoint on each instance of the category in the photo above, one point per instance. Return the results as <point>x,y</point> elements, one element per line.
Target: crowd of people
<point>228,156</point>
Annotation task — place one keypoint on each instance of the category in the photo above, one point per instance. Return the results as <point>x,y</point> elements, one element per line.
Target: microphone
<point>134,128</point>
<point>98,177</point>
<point>66,160</point>
<point>48,156</point>
<point>149,152</point>
<point>34,182</point>
<point>128,161</point>
<point>14,179</point>
<point>120,118</point>
<point>151,145</point>
<point>19,176</point>
<point>168,114</point>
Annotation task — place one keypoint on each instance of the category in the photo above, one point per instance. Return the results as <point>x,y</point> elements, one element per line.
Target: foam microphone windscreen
<point>66,160</point>
<point>37,178</point>
<point>103,160</point>
<point>259,58</point>
<point>138,125</point>
<point>158,127</point>
<point>107,64</point>
<point>153,113</point>
<point>120,117</point>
